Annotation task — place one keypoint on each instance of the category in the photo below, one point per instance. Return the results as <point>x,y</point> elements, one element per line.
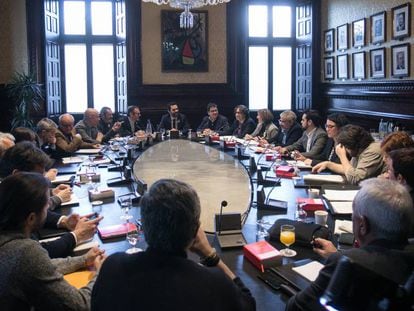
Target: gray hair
<point>289,115</point>
<point>388,208</point>
<point>45,124</point>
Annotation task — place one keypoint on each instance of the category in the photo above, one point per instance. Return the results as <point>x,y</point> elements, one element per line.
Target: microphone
<point>222,204</point>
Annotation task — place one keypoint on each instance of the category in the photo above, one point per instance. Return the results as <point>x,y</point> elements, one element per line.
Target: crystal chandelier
<point>186,17</point>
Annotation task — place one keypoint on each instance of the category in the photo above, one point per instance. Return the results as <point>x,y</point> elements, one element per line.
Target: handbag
<point>304,232</point>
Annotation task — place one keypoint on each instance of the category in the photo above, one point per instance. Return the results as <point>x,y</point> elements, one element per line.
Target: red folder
<point>311,205</point>
<point>115,231</point>
<point>285,171</point>
<point>262,254</point>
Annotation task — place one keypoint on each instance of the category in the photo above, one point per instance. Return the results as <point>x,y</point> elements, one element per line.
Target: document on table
<point>62,179</point>
<point>340,195</point>
<point>88,151</point>
<point>299,164</point>
<point>341,207</point>
<point>309,271</point>
<point>70,160</point>
<point>323,177</point>
<point>74,200</point>
<point>343,226</point>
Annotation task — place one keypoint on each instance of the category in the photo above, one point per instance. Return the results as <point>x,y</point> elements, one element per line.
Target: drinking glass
<point>126,203</point>
<point>287,237</point>
<point>300,214</point>
<point>262,229</point>
<point>133,237</point>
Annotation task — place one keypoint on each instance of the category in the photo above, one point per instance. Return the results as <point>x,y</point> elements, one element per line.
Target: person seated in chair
<point>265,128</point>
<point>162,277</point>
<point>131,124</point>
<point>290,131</point>
<point>106,125</point>
<point>242,124</point>
<point>382,219</point>
<point>214,123</point>
<point>88,127</point>
<point>67,141</point>
<point>174,120</point>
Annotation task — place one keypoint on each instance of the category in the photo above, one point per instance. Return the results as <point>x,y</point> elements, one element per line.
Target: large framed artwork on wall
<point>184,50</point>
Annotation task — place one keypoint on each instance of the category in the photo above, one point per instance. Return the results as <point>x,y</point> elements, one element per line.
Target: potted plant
<point>27,94</point>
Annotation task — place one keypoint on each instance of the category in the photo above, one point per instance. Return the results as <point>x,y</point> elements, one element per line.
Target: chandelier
<point>186,17</point>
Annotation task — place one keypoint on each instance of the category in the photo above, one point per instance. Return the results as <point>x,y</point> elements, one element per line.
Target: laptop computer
<point>229,230</point>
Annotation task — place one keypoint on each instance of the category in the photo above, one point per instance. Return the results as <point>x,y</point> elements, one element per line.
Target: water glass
<point>126,204</point>
<point>133,238</point>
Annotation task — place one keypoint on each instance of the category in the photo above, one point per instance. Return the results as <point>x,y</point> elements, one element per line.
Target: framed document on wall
<point>329,68</point>
<point>378,27</point>
<point>329,40</point>
<point>377,63</point>
<point>401,21</point>
<point>358,65</point>
<point>400,60</point>
<point>358,33</point>
<point>342,66</point>
<point>342,37</point>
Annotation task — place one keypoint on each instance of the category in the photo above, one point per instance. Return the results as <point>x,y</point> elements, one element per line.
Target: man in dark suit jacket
<point>290,130</point>
<point>313,139</point>
<point>214,122</point>
<point>132,122</point>
<point>382,220</point>
<point>174,120</point>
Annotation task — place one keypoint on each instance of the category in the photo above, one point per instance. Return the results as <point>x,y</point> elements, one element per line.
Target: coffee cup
<point>313,193</point>
<point>321,217</point>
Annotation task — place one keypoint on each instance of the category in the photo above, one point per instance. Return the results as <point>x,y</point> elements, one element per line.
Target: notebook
<point>229,230</point>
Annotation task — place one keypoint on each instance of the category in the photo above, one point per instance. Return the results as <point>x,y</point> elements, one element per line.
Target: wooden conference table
<point>217,176</point>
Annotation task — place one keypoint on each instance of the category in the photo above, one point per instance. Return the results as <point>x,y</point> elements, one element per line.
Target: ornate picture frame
<point>184,50</point>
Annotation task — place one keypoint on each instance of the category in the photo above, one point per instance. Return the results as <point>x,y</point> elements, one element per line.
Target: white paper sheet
<point>309,271</point>
<point>61,179</point>
<point>328,178</point>
<point>342,207</point>
<point>88,151</point>
<point>340,195</point>
<point>73,200</point>
<point>343,226</point>
<point>71,160</point>
<point>299,164</point>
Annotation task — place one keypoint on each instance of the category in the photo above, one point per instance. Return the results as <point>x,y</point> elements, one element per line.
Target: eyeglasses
<point>282,121</point>
<point>329,126</point>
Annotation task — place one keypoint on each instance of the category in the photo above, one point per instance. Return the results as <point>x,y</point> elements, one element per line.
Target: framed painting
<point>358,65</point>
<point>378,27</point>
<point>377,63</point>
<point>329,40</point>
<point>342,65</point>
<point>184,50</point>
<point>401,21</point>
<point>329,68</point>
<point>358,33</point>
<point>342,37</point>
<point>400,60</point>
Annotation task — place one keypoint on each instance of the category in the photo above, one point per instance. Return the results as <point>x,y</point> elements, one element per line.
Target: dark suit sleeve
<point>294,135</point>
<point>52,219</point>
<point>250,127</point>
<point>61,247</point>
<point>186,125</point>
<point>203,125</point>
<point>163,123</point>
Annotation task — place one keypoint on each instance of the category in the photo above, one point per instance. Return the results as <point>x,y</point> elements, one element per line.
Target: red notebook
<point>311,204</point>
<point>262,254</point>
<point>115,231</point>
<point>285,171</point>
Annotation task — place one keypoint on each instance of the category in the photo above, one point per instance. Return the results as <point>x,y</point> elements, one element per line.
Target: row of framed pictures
<point>400,64</point>
<point>401,26</point>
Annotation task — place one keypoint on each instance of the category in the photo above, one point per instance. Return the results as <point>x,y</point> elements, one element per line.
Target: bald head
<point>66,123</point>
<point>91,117</point>
<point>6,142</point>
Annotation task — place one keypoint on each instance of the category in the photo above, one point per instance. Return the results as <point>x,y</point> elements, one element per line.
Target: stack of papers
<point>340,200</point>
<point>60,179</point>
<point>342,207</point>
<point>299,164</point>
<point>309,271</point>
<point>337,179</point>
<point>88,151</point>
<point>70,160</point>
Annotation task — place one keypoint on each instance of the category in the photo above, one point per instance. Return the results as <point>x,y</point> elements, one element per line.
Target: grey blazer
<point>318,142</point>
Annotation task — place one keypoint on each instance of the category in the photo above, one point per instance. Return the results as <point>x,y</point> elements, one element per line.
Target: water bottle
<point>148,130</point>
<point>381,129</point>
<point>390,127</point>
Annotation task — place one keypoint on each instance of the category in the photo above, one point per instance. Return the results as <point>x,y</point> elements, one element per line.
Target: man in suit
<point>313,139</point>
<point>382,219</point>
<point>174,120</point>
<point>162,277</point>
<point>214,122</point>
<point>132,124</point>
<point>106,125</point>
<point>88,127</point>
<point>67,141</point>
<point>290,130</point>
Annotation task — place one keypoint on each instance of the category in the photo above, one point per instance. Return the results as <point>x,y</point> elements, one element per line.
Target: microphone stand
<point>222,204</point>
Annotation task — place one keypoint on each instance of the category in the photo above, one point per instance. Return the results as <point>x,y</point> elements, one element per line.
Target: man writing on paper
<point>162,277</point>
<point>382,219</point>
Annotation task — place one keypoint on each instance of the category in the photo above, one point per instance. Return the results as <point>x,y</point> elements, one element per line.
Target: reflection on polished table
<point>216,176</point>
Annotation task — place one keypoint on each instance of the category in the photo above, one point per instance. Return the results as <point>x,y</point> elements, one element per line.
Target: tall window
<point>270,46</point>
<point>88,40</point>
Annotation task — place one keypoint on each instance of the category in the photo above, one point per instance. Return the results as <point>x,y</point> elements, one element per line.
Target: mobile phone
<point>93,216</point>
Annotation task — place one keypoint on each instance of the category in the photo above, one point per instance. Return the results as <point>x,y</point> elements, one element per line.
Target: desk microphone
<point>222,204</point>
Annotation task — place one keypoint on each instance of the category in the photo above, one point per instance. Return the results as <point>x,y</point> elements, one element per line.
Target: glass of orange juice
<point>287,237</point>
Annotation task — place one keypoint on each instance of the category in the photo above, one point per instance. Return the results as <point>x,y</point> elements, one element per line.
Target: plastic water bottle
<point>148,130</point>
<point>381,129</point>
